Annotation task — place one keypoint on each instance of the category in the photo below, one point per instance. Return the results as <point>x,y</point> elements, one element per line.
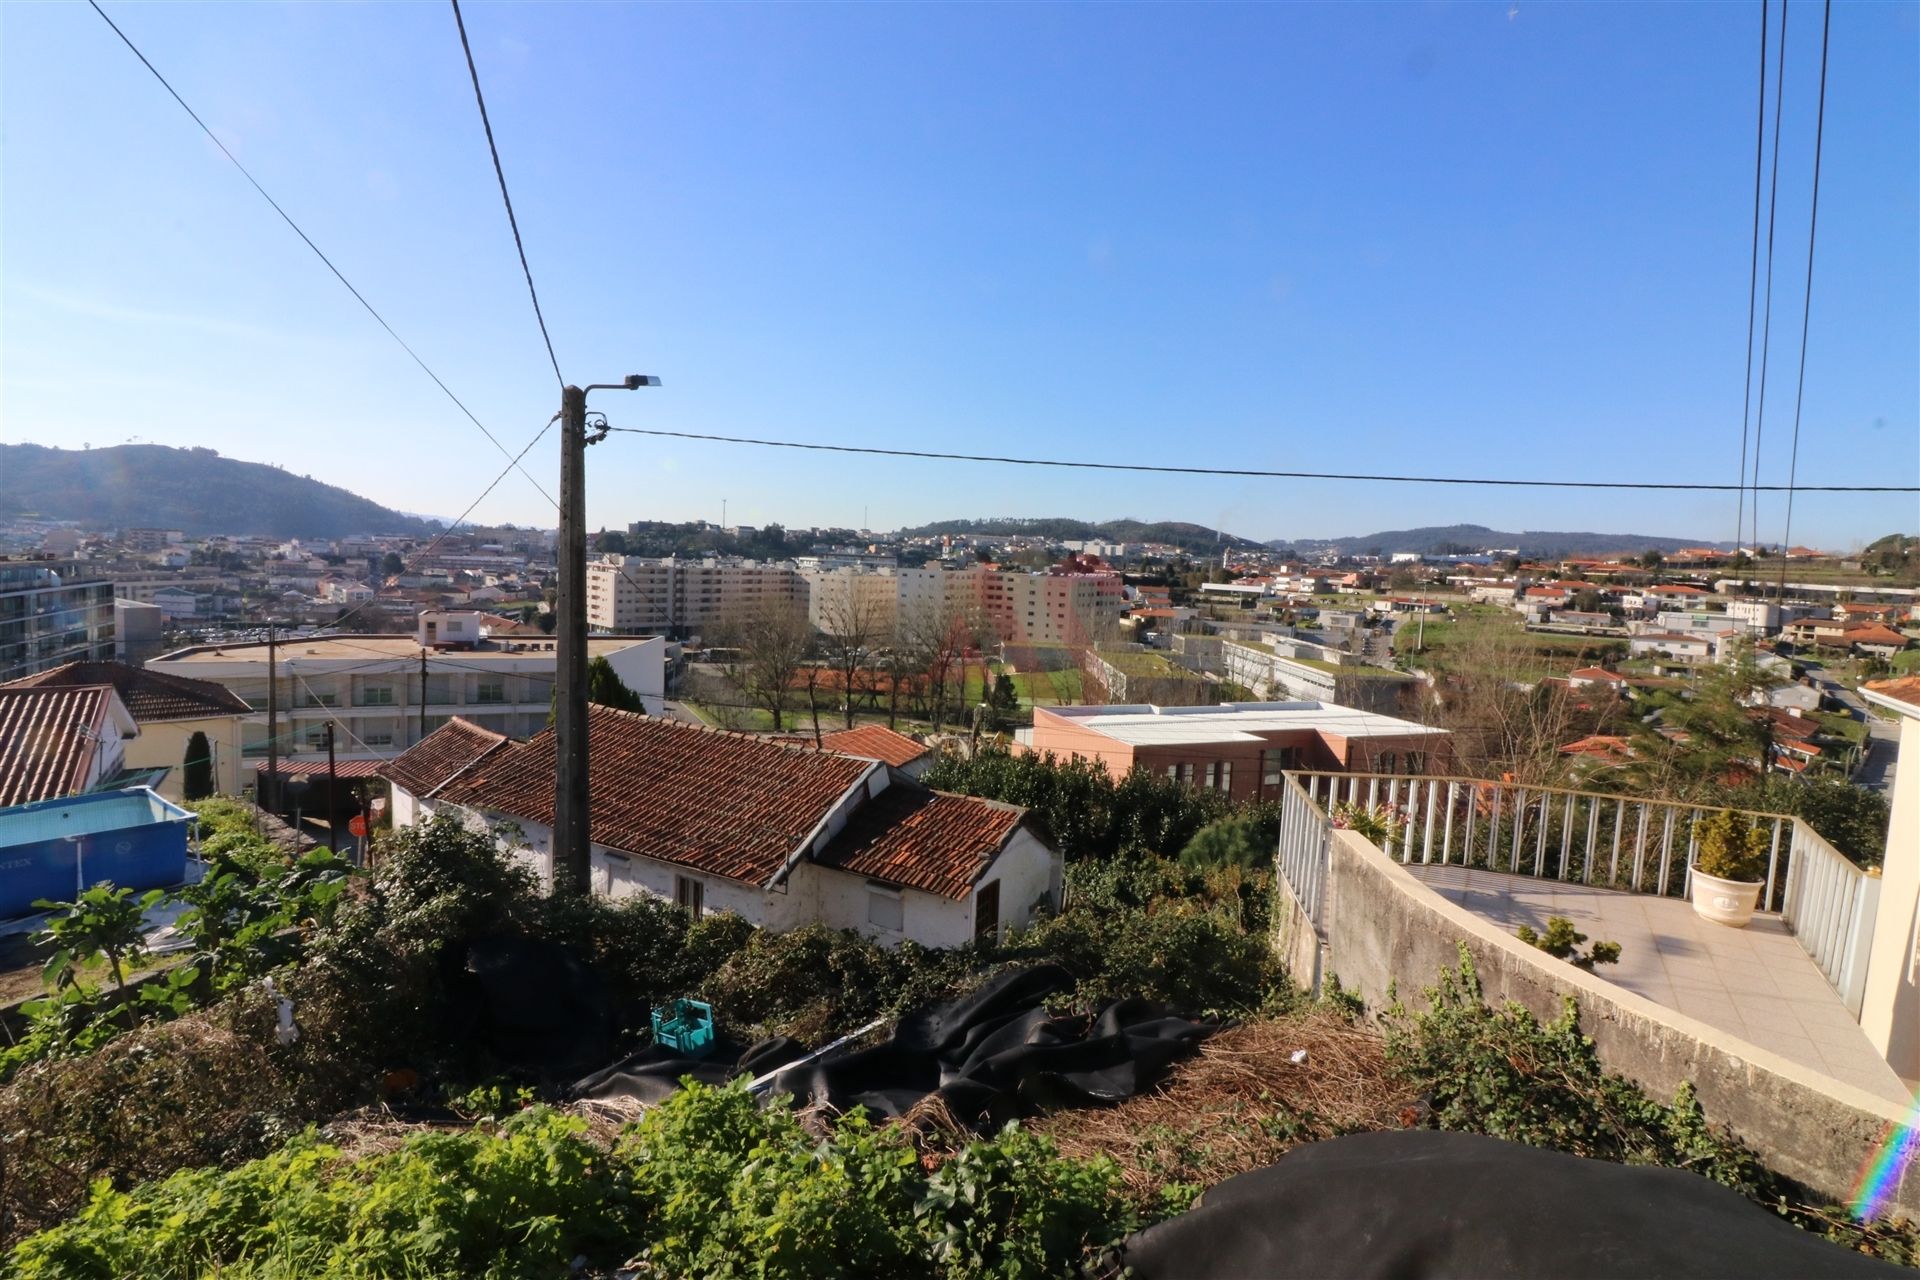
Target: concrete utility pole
<point>572,859</point>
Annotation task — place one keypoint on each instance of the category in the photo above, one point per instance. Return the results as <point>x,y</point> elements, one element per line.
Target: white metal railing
<point>1586,837</point>
<point>1304,832</point>
<point>1830,906</point>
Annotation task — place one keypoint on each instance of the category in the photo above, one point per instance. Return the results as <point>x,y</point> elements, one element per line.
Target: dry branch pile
<point>1241,1103</point>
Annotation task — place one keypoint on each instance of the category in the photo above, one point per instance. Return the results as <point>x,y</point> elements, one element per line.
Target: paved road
<point>1876,767</point>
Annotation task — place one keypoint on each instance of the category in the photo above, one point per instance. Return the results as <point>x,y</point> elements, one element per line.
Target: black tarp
<point>989,1057</point>
<point>1424,1205</point>
<point>531,1003</point>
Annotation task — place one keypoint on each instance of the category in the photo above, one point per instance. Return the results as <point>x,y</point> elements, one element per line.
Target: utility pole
<point>571,859</point>
<point>333,807</point>
<point>271,783</point>
<point>572,856</point>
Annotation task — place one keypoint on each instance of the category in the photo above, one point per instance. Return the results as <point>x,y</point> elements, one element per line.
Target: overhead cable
<point>1253,473</point>
<point>308,240</point>
<point>506,199</point>
<point>1806,306</point>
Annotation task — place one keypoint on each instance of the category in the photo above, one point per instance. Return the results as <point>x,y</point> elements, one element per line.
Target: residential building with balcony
<point>385,693</point>
<point>631,594</point>
<point>1242,748</point>
<point>52,612</point>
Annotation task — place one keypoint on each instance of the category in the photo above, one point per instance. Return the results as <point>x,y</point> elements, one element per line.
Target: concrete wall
<point>1383,928</point>
<point>643,668</point>
<point>1890,1009</point>
<point>163,743</point>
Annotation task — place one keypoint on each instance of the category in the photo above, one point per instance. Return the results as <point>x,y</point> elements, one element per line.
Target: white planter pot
<point>1728,902</point>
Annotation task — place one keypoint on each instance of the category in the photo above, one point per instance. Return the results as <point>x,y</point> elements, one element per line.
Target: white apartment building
<point>386,692</point>
<point>633,594</point>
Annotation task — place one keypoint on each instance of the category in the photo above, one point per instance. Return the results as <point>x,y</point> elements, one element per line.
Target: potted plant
<point>1729,869</point>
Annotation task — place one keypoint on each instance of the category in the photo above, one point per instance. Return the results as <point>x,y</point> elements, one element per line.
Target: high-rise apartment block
<point>52,612</point>
<point>685,597</point>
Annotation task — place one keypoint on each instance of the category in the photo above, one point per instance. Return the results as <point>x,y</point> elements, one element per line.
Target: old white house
<point>781,834</point>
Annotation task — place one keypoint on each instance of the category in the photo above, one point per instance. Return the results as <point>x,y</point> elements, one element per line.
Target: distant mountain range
<point>151,486</point>
<point>1465,539</point>
<point>1195,538</point>
<point>1198,539</point>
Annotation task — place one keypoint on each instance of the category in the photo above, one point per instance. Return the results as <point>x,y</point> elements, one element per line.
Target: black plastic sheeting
<point>530,1003</point>
<point>1423,1205</point>
<point>990,1057</point>
<point>653,1074</point>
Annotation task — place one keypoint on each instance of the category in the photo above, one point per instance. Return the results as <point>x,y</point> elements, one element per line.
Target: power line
<point>1766,326</point>
<point>308,240</point>
<point>444,534</point>
<point>1806,306</point>
<point>505,199</point>
<point>1249,473</point>
<point>1753,281</point>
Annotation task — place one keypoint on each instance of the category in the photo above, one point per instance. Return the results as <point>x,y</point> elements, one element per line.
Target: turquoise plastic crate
<point>685,1026</point>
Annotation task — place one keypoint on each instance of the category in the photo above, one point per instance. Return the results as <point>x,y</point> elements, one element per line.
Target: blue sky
<point>1496,239</point>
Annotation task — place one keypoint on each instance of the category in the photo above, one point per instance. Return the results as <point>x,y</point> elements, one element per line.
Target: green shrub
<point>1732,847</point>
<point>519,1200</point>
<point>708,1184</point>
<point>1504,1073</point>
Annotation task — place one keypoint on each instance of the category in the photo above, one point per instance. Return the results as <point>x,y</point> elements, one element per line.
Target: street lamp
<point>571,858</point>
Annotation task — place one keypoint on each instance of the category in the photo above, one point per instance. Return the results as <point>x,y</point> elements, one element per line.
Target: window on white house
<point>884,909</point>
<point>690,895</point>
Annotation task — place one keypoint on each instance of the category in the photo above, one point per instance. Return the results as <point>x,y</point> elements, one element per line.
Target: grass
<point>1906,663</point>
<point>1839,725</point>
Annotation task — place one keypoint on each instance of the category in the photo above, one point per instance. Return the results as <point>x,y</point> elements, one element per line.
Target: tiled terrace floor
<point>1756,982</point>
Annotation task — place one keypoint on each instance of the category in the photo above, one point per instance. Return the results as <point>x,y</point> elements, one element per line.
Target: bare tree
<point>774,641</point>
<point>934,644</point>
<point>852,623</point>
<point>1506,719</point>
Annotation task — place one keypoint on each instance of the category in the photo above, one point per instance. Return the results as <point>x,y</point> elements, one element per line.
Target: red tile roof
<point>312,767</point>
<point>724,803</point>
<point>428,764</point>
<point>149,695</point>
<point>47,740</point>
<point>923,839</point>
<point>1902,689</point>
<point>1873,633</point>
<point>876,742</point>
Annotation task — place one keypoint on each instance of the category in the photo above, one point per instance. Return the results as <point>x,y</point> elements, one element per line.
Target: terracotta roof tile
<point>1901,689</point>
<point>923,839</point>
<point>725,803</point>
<point>149,695</point>
<point>45,744</point>
<point>427,765</point>
<point>876,742</point>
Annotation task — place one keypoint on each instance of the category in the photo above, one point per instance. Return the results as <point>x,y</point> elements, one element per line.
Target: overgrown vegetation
<point>1085,812</point>
<point>374,970</point>
<point>708,1184</point>
<point>1504,1073</point>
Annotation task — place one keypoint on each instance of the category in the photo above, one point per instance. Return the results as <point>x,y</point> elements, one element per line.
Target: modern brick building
<point>1239,747</point>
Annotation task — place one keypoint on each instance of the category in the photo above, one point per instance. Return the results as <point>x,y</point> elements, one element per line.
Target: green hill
<point>1196,538</point>
<point>151,486</point>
